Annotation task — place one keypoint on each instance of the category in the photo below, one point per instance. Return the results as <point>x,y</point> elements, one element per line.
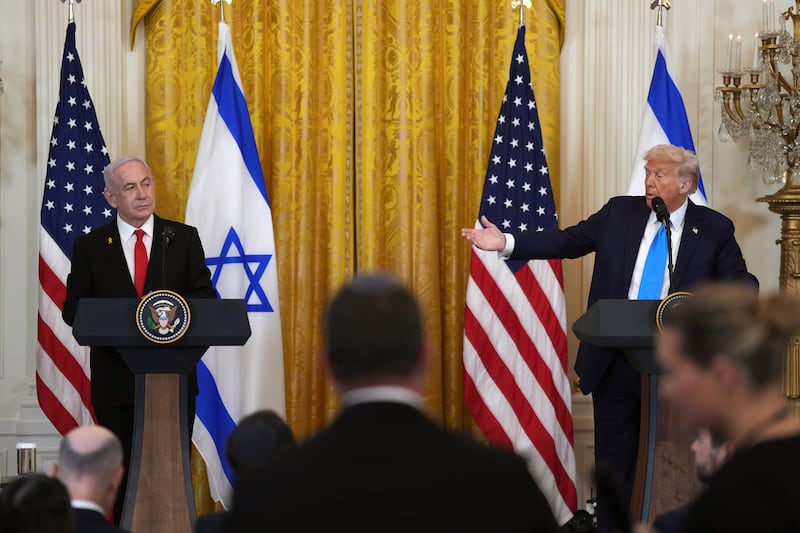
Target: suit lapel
<point>638,220</point>
<point>689,240</point>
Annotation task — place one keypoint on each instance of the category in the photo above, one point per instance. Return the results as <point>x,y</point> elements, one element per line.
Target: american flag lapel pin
<point>695,230</point>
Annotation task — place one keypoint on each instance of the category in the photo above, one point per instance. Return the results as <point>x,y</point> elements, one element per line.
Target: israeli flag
<point>228,204</point>
<point>664,120</point>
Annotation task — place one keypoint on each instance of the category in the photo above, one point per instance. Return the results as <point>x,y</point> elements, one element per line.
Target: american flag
<point>72,205</point>
<point>515,346</point>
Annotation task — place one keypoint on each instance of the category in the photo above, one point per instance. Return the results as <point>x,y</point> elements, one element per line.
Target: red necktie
<point>139,262</point>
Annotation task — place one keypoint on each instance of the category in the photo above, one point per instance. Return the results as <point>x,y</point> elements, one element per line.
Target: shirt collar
<point>676,218</point>
<point>679,215</point>
<point>382,393</point>
<point>126,230</point>
<point>86,504</point>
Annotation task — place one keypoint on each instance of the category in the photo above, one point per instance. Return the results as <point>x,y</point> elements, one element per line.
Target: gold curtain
<point>374,121</point>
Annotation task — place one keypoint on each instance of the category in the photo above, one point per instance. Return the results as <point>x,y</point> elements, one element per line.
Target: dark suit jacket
<point>88,521</point>
<point>212,523</point>
<point>99,270</point>
<point>708,250</point>
<point>385,467</point>
<point>671,521</point>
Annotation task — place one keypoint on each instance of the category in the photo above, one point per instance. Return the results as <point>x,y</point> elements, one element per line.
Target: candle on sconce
<point>764,17</point>
<point>756,55</point>
<point>773,25</point>
<point>738,57</point>
<point>729,55</point>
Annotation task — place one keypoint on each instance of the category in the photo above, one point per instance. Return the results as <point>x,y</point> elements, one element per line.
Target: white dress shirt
<point>128,239</point>
<point>86,504</point>
<point>676,225</point>
<point>382,393</point>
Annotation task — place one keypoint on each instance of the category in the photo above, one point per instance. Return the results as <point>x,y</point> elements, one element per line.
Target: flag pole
<point>221,8</point>
<point>520,4</point>
<point>660,5</point>
<point>71,16</point>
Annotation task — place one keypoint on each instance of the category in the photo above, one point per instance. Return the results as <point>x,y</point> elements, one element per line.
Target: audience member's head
<point>90,465</point>
<point>710,453</point>
<point>35,503</point>
<point>255,440</point>
<point>722,351</point>
<point>374,334</point>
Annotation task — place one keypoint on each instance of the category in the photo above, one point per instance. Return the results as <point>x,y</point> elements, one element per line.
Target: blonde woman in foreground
<point>723,356</point>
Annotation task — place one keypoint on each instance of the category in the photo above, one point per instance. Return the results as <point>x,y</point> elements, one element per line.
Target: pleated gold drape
<point>374,121</point>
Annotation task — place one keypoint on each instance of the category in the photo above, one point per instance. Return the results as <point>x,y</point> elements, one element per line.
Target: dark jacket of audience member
<point>251,445</point>
<point>383,465</point>
<point>90,466</point>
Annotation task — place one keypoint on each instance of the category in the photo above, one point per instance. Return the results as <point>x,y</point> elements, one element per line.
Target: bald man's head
<point>90,463</point>
<point>89,450</point>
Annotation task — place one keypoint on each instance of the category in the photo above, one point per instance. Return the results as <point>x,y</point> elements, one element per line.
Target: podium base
<point>159,495</point>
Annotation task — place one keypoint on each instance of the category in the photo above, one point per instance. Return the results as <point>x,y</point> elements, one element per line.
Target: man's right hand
<point>490,238</point>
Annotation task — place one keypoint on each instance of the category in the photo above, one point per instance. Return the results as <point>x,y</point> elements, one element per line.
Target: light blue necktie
<point>654,265</point>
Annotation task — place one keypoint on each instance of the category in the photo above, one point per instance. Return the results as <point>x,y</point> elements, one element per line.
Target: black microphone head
<point>662,213</point>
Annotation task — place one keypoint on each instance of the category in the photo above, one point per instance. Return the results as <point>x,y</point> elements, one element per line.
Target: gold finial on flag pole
<point>221,9</point>
<point>661,5</point>
<point>71,16</point>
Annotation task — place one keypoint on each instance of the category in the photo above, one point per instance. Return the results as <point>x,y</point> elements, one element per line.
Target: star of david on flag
<point>254,266</point>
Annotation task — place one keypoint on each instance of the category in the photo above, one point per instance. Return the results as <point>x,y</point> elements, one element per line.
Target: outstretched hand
<point>490,238</point>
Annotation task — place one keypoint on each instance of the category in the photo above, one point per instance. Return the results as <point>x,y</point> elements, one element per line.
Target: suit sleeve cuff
<point>506,252</point>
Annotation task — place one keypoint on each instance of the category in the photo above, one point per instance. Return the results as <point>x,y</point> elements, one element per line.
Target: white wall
<point>31,45</point>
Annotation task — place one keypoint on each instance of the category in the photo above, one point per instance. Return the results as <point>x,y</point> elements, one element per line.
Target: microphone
<point>167,236</point>
<point>662,214</point>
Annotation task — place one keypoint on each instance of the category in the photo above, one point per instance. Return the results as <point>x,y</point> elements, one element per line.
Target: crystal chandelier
<point>766,111</point>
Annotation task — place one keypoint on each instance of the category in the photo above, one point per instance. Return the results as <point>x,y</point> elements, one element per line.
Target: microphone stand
<point>166,239</point>
<point>667,226</point>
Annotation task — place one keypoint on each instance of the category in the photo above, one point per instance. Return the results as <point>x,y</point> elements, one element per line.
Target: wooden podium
<point>159,492</point>
<point>665,472</point>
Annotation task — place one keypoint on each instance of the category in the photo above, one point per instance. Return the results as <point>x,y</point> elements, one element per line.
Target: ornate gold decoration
<point>766,111</point>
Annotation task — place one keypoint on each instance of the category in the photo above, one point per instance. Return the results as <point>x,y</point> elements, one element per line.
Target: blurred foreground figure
<point>35,503</point>
<point>723,354</point>
<point>382,465</point>
<point>710,453</point>
<point>252,444</point>
<point>90,466</point>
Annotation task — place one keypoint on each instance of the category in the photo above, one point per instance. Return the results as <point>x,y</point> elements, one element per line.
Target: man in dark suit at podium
<point>622,234</point>
<point>134,254</point>
<point>382,465</point>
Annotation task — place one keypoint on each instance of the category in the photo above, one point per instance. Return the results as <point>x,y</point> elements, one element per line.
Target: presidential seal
<point>668,305</point>
<point>163,316</point>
